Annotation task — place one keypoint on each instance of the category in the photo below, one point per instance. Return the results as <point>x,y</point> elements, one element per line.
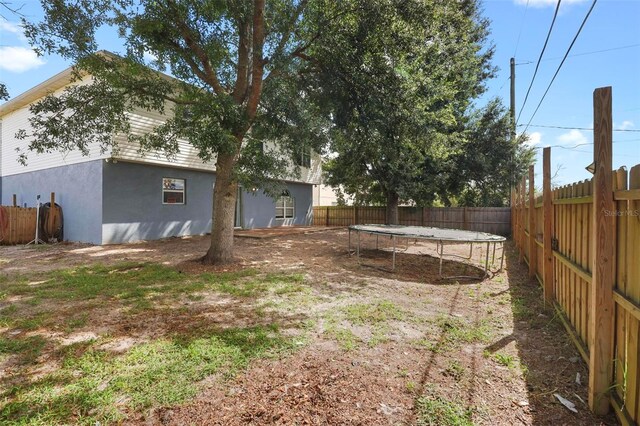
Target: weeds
<point>455,370</point>
<point>436,410</point>
<point>99,387</point>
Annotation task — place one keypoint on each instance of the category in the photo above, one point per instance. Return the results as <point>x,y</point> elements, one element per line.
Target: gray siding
<point>133,209</point>
<point>78,189</point>
<point>105,203</point>
<point>259,210</point>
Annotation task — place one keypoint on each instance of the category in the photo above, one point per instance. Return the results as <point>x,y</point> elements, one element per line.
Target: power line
<point>584,21</point>
<point>575,128</point>
<point>573,148</point>
<point>539,59</point>
<point>629,46</point>
<point>524,16</point>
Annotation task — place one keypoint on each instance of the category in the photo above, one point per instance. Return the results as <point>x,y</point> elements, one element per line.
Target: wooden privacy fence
<point>17,225</point>
<point>495,220</point>
<point>582,242</point>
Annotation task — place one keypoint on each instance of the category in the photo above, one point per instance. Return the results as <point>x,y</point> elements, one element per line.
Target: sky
<point>606,53</point>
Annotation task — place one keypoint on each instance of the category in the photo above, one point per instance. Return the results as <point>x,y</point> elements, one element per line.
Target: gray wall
<point>259,210</point>
<point>78,189</point>
<point>133,209</point>
<point>105,203</point>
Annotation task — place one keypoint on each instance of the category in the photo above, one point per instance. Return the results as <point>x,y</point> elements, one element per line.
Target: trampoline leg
<point>493,256</point>
<point>486,261</point>
<point>349,242</point>
<point>358,249</point>
<point>441,253</point>
<point>393,267</point>
<point>502,257</point>
<point>377,242</point>
<point>470,250</point>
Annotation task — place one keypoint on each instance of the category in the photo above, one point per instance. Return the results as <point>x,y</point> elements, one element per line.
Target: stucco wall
<point>78,189</point>
<point>133,209</point>
<point>259,210</point>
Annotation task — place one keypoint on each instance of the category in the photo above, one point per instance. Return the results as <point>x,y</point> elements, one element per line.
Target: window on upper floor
<point>302,157</point>
<point>173,191</point>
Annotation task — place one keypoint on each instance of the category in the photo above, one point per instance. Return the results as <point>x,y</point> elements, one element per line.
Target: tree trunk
<point>392,208</point>
<point>223,216</point>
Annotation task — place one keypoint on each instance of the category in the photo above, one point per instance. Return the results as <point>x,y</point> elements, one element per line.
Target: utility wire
<point>573,148</point>
<point>584,21</point>
<point>592,52</point>
<point>555,15</point>
<point>576,128</point>
<point>524,16</point>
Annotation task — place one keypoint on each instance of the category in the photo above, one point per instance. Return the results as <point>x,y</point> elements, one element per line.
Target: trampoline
<point>441,236</point>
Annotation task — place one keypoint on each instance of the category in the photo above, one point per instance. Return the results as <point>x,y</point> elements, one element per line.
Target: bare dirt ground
<point>380,345</point>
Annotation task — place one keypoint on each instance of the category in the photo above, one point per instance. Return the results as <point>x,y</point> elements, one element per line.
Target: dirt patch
<point>376,340</point>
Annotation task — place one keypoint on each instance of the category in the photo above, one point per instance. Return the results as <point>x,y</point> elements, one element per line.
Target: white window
<point>285,206</point>
<point>173,191</point>
<point>303,157</point>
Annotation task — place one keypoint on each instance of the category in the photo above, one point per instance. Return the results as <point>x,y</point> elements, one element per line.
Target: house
<point>121,196</point>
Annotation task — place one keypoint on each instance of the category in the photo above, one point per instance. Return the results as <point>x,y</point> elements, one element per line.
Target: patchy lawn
<point>298,332</point>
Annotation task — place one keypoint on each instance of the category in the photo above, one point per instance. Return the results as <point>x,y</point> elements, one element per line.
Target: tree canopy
<point>388,82</point>
<point>401,89</point>
<point>233,65</point>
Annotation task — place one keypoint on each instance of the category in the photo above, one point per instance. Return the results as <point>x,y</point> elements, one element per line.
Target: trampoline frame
<point>440,243</point>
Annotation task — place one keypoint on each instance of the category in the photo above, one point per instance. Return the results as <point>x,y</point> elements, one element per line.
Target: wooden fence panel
<point>573,257</point>
<point>495,220</point>
<point>19,225</point>
<point>628,299</point>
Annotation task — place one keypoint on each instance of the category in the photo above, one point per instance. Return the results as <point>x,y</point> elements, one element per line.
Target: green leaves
<point>397,87</point>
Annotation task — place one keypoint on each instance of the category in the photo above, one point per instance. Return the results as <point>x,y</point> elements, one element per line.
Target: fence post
<point>326,217</point>
<point>514,222</point>
<point>601,300</point>
<point>356,216</point>
<point>15,200</point>
<point>547,201</point>
<point>533,250</point>
<point>522,217</point>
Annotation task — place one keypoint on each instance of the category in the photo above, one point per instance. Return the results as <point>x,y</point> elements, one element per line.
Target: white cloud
<point>626,125</point>
<point>13,28</point>
<point>535,138</point>
<point>572,138</point>
<point>545,3</point>
<point>19,59</point>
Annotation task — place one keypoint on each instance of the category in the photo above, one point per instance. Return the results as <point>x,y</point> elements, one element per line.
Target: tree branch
<point>242,68</point>
<point>191,41</point>
<point>257,66</point>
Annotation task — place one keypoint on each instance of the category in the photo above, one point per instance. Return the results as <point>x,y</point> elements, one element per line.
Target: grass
<point>237,284</point>
<point>99,387</point>
<point>436,410</point>
<point>505,360</point>
<point>7,315</point>
<point>77,321</point>
<point>375,316</point>
<point>455,332</point>
<point>455,370</point>
<point>373,313</point>
<point>345,338</point>
<point>28,348</point>
<point>94,385</point>
<point>125,281</point>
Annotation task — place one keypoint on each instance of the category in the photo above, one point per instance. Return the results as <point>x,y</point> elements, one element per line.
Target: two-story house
<point>121,196</point>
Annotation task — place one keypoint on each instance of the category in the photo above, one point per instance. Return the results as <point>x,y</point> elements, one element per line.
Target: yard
<point>296,333</point>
